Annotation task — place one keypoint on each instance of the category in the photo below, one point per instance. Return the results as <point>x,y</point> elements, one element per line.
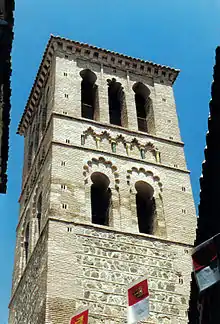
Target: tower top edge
<point>101,56</point>
<point>107,51</point>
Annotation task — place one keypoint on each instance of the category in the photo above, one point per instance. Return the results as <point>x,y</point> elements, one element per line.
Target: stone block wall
<point>28,302</point>
<point>28,214</point>
<point>92,266</point>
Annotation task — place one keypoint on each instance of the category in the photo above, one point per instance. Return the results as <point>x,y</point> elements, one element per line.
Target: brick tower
<point>106,195</point>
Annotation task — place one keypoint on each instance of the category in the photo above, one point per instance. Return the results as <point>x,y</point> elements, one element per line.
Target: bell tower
<point>106,195</point>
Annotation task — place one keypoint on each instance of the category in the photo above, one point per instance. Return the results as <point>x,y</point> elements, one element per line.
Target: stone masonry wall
<point>91,266</point>
<point>28,303</point>
<point>28,214</point>
<point>44,103</point>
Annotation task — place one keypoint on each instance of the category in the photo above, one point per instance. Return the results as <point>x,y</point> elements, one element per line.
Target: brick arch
<point>150,147</point>
<point>146,148</point>
<point>90,132</point>
<point>103,166</point>
<point>120,138</point>
<point>106,135</point>
<point>105,139</point>
<point>141,174</point>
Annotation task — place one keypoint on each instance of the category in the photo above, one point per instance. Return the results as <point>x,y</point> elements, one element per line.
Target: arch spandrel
<point>103,166</point>
<point>141,174</point>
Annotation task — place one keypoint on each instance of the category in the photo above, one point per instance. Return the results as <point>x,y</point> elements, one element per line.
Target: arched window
<point>44,109</point>
<point>89,95</point>
<point>37,135</point>
<point>117,106</point>
<point>143,107</point>
<point>30,152</point>
<point>43,117</point>
<point>100,199</point>
<point>39,212</point>
<point>145,204</point>
<point>26,241</point>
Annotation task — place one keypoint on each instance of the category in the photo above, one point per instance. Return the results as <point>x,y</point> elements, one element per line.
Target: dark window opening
<point>26,242</point>
<point>145,204</point>
<point>44,117</point>
<point>89,95</point>
<point>116,99</point>
<point>141,113</point>
<point>39,212</point>
<point>100,199</point>
<point>30,151</point>
<point>37,136</point>
<point>44,110</point>
<point>142,102</point>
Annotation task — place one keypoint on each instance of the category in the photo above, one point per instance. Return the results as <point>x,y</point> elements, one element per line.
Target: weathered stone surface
<point>28,304</point>
<point>104,270</point>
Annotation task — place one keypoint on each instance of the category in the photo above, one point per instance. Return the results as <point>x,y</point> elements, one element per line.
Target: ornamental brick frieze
<point>128,144</point>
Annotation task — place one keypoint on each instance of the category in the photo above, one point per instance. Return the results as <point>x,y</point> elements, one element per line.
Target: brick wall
<point>179,224</point>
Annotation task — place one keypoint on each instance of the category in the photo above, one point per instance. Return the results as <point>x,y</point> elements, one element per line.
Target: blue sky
<point>182,34</point>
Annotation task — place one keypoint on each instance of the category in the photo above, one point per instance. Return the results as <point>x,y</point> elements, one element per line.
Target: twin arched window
<point>117,103</point>
<point>101,203</point>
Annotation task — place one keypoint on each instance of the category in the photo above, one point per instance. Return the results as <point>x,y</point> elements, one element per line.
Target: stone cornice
<point>160,73</point>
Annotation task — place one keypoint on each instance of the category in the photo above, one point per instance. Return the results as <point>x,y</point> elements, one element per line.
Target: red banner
<point>81,318</point>
<point>206,262</point>
<point>138,302</point>
<point>138,292</point>
<point>204,256</point>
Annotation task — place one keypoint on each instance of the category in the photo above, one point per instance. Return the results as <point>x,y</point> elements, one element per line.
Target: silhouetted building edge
<point>204,308</point>
<point>6,38</point>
